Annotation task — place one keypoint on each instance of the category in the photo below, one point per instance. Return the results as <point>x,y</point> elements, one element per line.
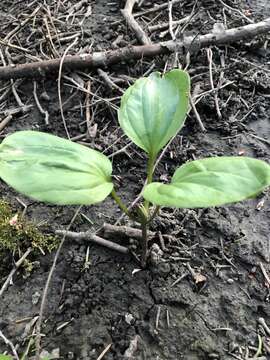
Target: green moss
<point>18,234</point>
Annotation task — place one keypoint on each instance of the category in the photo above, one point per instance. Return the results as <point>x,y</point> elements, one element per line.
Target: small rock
<point>35,298</point>
<point>129,319</point>
<point>45,96</point>
<point>155,254</point>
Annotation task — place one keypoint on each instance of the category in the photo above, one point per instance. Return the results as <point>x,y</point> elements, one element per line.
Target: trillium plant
<point>58,171</point>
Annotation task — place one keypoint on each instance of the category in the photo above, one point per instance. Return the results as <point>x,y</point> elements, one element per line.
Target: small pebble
<point>35,298</point>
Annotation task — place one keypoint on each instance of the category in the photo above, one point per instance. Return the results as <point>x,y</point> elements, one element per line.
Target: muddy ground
<point>161,309</point>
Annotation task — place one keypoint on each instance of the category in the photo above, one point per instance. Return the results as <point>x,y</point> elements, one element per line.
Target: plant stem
<point>119,202</point>
<point>150,170</point>
<point>144,227</point>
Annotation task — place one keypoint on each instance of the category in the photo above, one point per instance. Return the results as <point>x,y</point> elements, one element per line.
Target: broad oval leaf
<point>154,109</point>
<point>55,170</point>
<point>211,182</point>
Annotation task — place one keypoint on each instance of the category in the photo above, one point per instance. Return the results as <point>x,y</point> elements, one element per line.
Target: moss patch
<point>18,234</point>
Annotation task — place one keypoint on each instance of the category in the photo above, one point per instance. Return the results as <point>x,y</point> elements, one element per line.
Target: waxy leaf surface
<point>211,182</point>
<point>153,110</point>
<point>55,170</point>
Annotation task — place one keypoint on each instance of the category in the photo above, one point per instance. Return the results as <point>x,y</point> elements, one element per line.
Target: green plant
<point>5,357</point>
<point>152,111</point>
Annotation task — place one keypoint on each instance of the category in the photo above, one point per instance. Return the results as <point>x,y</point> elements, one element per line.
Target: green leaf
<point>5,357</point>
<point>153,110</point>
<point>50,169</point>
<point>211,182</point>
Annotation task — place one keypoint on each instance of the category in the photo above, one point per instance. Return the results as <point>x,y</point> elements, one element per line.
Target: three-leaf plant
<point>152,111</point>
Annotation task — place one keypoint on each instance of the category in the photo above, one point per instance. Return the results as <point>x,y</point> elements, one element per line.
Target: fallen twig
<point>104,352</point>
<point>266,276</point>
<point>59,84</point>
<point>197,115</point>
<point>22,24</point>
<point>165,25</point>
<point>112,231</point>
<point>215,90</point>
<point>10,344</point>
<point>89,236</point>
<point>13,271</point>
<point>40,108</point>
<point>260,138</point>
<point>133,24</point>
<point>262,322</point>
<point>156,8</point>
<point>108,81</point>
<point>101,59</point>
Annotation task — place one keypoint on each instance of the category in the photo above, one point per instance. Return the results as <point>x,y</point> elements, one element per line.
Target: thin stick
<point>237,11</point>
<point>158,316</point>
<point>59,84</point>
<point>40,108</point>
<point>262,322</point>
<point>104,352</point>
<point>89,236</point>
<point>215,90</point>
<point>260,138</point>
<point>108,81</point>
<point>87,108</point>
<point>5,121</point>
<point>13,271</point>
<point>133,24</point>
<point>45,291</point>
<point>22,24</point>
<point>171,20</point>
<point>165,25</point>
<point>197,115</point>
<point>110,231</point>
<point>9,343</point>
<point>156,8</point>
<point>266,276</point>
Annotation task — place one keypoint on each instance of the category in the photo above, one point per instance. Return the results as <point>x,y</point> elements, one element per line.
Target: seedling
<point>54,170</point>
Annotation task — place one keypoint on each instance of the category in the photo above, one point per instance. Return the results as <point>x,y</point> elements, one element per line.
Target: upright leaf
<point>48,168</point>
<point>153,110</point>
<point>211,182</point>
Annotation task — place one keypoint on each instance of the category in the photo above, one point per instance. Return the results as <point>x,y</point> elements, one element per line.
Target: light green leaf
<point>153,110</point>
<point>5,357</point>
<point>48,168</point>
<point>211,182</point>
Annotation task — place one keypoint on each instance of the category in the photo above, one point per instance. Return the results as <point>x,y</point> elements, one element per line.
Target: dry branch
<point>89,236</point>
<point>123,231</point>
<point>101,59</point>
<point>133,24</point>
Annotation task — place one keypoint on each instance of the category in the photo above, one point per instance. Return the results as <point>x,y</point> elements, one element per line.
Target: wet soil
<point>203,298</point>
